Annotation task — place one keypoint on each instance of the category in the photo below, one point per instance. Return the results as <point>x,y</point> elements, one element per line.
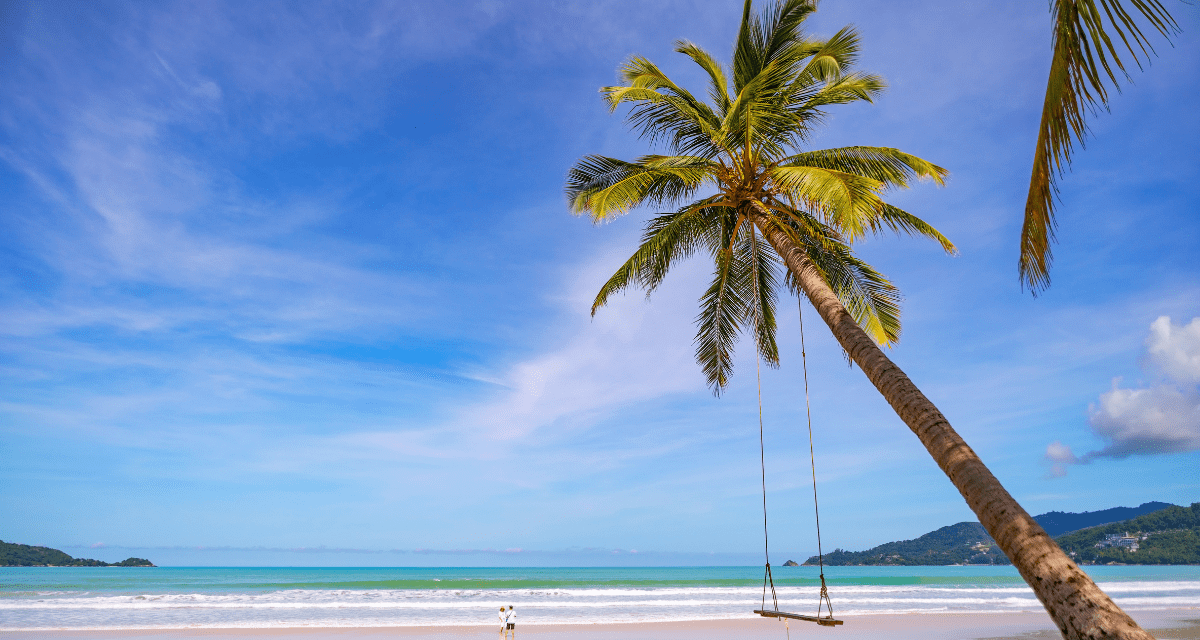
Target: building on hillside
<point>1126,541</point>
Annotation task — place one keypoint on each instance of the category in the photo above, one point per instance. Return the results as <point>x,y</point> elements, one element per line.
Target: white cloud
<point>1160,419</point>
<point>1059,455</point>
<point>1163,419</point>
<point>1175,350</point>
<point>630,351</point>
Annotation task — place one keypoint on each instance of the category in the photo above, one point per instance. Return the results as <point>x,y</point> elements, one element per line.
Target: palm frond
<point>718,87</point>
<point>868,296</point>
<point>901,221</point>
<point>850,87</point>
<point>892,167</point>
<point>848,201</point>
<point>819,81</point>
<point>764,283</point>
<point>754,114</point>
<point>605,187</point>
<point>662,110</point>
<point>772,51</point>
<point>833,57</point>
<point>767,37</point>
<point>722,312</point>
<point>1082,52</point>
<point>806,102</point>
<point>669,237</point>
<point>872,300</point>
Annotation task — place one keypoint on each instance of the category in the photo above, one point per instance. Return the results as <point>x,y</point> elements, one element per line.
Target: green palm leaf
<point>722,313</point>
<point>892,167</point>
<point>1081,62</point>
<point>718,90</point>
<point>605,187</point>
<point>669,237</point>
<point>847,199</point>
<point>902,221</point>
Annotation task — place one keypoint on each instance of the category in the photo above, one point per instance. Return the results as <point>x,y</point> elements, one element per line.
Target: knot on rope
<point>823,599</point>
<point>768,579</point>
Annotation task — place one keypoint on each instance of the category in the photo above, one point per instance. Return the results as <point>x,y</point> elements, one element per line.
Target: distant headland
<point>23,555</point>
<point>1153,533</point>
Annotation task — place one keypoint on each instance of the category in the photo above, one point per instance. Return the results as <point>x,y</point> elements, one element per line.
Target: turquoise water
<point>112,598</point>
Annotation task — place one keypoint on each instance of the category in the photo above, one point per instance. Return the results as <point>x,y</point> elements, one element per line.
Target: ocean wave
<point>560,599</point>
<point>1110,587</point>
<point>63,598</point>
<point>218,599</point>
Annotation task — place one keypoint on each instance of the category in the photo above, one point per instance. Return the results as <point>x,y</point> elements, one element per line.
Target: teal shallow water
<point>40,598</point>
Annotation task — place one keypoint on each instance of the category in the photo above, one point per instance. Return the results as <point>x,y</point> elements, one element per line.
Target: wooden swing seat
<point>824,622</point>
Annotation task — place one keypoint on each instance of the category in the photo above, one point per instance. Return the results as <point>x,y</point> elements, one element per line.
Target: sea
<point>46,598</point>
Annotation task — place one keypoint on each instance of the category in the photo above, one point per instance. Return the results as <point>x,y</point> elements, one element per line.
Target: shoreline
<point>1175,624</point>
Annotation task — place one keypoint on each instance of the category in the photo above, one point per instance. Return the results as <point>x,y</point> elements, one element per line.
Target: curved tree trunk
<point>1079,608</point>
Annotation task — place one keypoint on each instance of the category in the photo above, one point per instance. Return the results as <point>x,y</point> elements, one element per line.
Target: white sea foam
<point>421,607</point>
<point>182,600</point>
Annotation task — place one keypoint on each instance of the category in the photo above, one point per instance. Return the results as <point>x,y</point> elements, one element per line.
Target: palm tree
<point>776,204</point>
<point>1076,84</point>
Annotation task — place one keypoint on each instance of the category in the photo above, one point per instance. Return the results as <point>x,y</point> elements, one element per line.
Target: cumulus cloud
<point>1175,349</point>
<point>1164,418</point>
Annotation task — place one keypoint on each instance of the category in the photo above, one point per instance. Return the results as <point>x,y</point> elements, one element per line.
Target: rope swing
<point>823,602</point>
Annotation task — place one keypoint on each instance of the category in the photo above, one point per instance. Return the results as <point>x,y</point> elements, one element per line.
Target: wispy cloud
<point>630,351</point>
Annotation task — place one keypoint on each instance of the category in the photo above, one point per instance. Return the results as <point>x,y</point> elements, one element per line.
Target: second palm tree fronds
<point>1081,62</point>
<point>742,187</point>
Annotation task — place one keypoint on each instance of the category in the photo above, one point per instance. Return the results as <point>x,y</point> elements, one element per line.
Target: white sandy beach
<point>1174,624</point>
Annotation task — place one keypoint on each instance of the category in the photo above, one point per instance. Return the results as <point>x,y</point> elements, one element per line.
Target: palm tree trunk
<point>1079,608</point>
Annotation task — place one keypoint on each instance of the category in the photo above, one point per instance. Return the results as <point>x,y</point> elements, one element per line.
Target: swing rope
<point>768,579</point>
<point>823,599</point>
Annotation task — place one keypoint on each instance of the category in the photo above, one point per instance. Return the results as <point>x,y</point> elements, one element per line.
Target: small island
<point>791,563</point>
<point>23,555</point>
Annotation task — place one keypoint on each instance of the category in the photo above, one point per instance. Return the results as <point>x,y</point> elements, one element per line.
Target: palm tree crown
<point>745,148</point>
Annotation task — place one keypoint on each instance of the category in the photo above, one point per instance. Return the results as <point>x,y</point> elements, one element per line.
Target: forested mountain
<point>23,555</point>
<point>1057,523</point>
<point>962,543</point>
<point>1169,535</point>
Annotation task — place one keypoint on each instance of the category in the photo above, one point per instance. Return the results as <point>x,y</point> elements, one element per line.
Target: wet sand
<point>1176,624</point>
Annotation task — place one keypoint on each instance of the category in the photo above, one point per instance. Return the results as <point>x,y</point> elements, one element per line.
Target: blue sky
<point>296,284</point>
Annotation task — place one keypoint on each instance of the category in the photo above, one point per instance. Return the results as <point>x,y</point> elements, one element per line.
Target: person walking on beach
<point>503,622</point>
<point>512,621</point>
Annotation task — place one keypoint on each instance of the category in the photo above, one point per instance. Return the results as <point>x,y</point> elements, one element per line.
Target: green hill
<point>23,555</point>
<point>962,543</point>
<point>1169,536</point>
<point>1166,536</point>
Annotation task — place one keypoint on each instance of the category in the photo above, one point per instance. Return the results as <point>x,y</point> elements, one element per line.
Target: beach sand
<point>1182,624</point>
